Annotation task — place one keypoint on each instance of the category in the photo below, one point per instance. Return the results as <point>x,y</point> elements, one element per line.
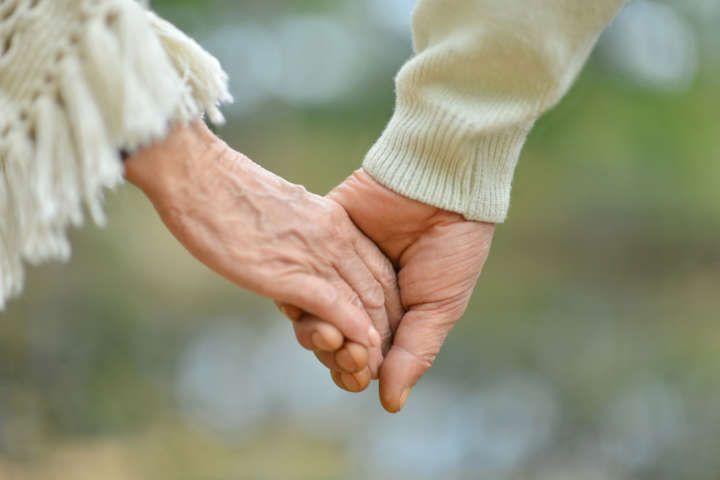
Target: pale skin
<point>270,236</point>
<point>310,255</point>
<point>439,256</point>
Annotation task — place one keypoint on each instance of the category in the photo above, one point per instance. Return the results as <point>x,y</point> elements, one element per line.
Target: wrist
<point>393,220</point>
<point>408,210</point>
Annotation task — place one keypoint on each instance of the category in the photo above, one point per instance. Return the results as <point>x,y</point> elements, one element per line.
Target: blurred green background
<point>590,351</point>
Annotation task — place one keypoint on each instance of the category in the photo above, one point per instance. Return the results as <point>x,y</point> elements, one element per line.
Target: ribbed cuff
<point>442,161</point>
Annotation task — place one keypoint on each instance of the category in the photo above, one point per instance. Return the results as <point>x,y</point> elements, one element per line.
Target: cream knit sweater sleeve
<point>79,81</point>
<point>483,72</point>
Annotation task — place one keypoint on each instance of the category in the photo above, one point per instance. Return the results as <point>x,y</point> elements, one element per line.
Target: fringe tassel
<point>133,76</point>
<point>206,82</point>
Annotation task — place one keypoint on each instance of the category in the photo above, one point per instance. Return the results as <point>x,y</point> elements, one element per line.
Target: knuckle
<point>428,361</point>
<point>322,296</point>
<point>387,276</point>
<point>356,301</point>
<point>425,359</point>
<point>374,296</point>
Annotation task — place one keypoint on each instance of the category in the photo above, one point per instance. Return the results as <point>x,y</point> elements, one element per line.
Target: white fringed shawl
<point>79,81</point>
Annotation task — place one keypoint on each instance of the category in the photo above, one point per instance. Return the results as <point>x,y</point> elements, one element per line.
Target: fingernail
<point>404,397</point>
<point>374,337</point>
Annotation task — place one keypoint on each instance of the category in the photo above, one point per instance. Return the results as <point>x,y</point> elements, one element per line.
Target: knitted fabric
<point>483,72</point>
<point>81,80</point>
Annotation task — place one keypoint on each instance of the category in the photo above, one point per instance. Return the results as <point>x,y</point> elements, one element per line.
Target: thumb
<point>418,340</point>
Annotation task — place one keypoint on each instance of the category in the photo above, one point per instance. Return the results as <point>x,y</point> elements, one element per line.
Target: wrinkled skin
<point>439,256</point>
<point>269,236</point>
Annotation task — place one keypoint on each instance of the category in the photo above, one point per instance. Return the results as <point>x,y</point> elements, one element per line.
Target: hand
<point>440,256</point>
<point>265,234</point>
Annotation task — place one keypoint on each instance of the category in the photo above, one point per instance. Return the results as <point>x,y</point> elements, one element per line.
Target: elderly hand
<point>267,235</point>
<point>439,255</point>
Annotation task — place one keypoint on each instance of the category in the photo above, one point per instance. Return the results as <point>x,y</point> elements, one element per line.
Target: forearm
<point>483,73</point>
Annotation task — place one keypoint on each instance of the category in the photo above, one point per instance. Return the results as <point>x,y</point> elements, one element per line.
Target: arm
<point>484,71</point>
<point>109,76</point>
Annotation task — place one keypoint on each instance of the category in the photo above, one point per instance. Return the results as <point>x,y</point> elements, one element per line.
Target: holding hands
<point>267,235</point>
<point>373,281</point>
<point>438,256</point>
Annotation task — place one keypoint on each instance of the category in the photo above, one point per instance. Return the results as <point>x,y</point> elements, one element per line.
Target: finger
<point>327,359</point>
<point>352,382</point>
<point>375,360</point>
<point>352,358</point>
<point>327,343</point>
<point>333,301</point>
<point>384,273</point>
<point>290,312</point>
<point>358,276</point>
<point>417,342</point>
<point>314,334</point>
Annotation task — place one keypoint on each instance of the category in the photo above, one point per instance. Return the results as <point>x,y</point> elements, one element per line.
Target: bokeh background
<point>590,350</point>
